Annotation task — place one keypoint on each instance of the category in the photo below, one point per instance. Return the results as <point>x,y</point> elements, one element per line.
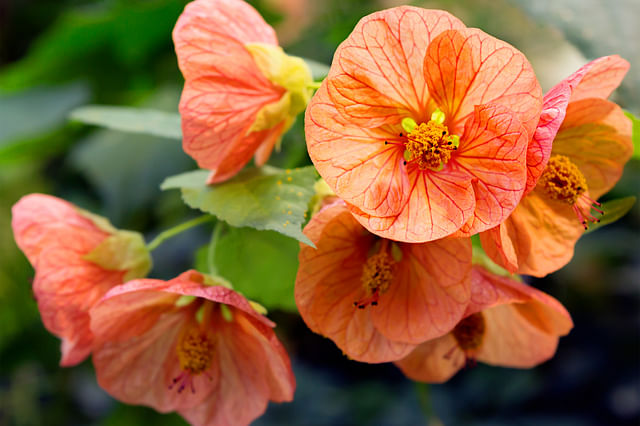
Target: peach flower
<point>189,345</point>
<point>78,257</point>
<point>592,144</point>
<point>507,323</point>
<point>241,91</point>
<point>422,125</point>
<point>376,298</point>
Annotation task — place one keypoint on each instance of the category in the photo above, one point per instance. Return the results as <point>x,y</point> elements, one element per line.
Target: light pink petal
<point>41,221</point>
<point>328,283</point>
<point>599,78</point>
<point>493,152</point>
<point>539,150</point>
<point>376,75</point>
<point>254,369</point>
<point>465,68</point>
<point>429,294</point>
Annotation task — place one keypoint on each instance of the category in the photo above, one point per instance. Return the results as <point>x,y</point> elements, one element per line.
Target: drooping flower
<point>507,324</point>
<point>422,125</point>
<point>78,257</point>
<point>241,92</point>
<point>376,298</point>
<point>590,149</point>
<point>189,345</point>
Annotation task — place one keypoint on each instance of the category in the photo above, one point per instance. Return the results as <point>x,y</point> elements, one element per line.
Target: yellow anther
<point>377,273</point>
<point>430,145</point>
<point>562,180</point>
<point>195,351</point>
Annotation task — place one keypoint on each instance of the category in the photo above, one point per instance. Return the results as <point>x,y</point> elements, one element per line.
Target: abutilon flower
<point>422,125</point>
<point>241,91</point>
<point>507,324</point>
<point>376,298</point>
<point>189,345</point>
<point>77,257</point>
<point>584,161</point>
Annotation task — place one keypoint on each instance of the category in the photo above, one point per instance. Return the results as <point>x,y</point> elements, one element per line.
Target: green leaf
<point>635,135</point>
<point>261,265</point>
<point>613,210</point>
<point>130,119</point>
<point>318,69</point>
<point>261,198</point>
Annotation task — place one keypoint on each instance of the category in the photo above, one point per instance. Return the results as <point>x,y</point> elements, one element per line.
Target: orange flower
<point>375,298</point>
<point>189,345</point>
<point>78,257</point>
<point>507,323</point>
<point>422,125</point>
<point>241,92</point>
<point>589,152</point>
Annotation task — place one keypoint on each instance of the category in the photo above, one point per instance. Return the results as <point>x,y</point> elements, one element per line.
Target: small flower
<point>422,125</point>
<point>78,257</point>
<point>241,92</point>
<point>189,345</point>
<point>507,323</point>
<point>592,144</point>
<point>376,298</point>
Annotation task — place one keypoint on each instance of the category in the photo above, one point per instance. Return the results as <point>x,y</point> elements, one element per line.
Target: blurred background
<point>58,55</point>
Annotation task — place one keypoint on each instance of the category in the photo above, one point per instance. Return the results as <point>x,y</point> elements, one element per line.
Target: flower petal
<point>376,74</point>
<point>522,324</point>
<point>255,368</point>
<point>429,294</point>
<point>596,136</point>
<point>539,150</point>
<point>507,243</point>
<point>328,284</point>
<point>355,162</point>
<point>465,68</point>
<point>41,221</point>
<point>599,78</point>
<point>435,361</point>
<point>493,152</point>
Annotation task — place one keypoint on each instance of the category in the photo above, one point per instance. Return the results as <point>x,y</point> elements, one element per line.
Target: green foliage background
<point>56,56</point>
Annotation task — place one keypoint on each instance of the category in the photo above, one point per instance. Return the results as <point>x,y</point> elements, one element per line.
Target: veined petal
<point>434,361</point>
<point>465,68</point>
<point>539,150</point>
<point>429,293</point>
<point>596,136</point>
<point>355,162</point>
<point>506,244</point>
<point>205,25</point>
<point>599,78</point>
<point>493,152</point>
<point>439,204</point>
<point>376,77</point>
<point>329,282</point>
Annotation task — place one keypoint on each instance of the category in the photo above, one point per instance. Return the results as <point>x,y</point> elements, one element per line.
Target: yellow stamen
<point>195,350</point>
<point>469,332</point>
<point>377,273</point>
<point>430,145</point>
<point>562,180</point>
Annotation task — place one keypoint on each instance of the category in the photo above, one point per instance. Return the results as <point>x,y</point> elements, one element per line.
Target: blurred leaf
<point>27,114</point>
<point>635,136</point>
<point>261,198</point>
<point>262,265</point>
<point>129,119</point>
<point>613,210</point>
<point>318,69</point>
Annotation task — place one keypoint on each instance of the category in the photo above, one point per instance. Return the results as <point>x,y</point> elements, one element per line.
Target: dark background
<point>57,55</point>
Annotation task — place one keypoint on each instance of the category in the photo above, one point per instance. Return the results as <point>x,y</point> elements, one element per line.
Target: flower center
<point>469,332</point>
<point>195,351</point>
<point>377,274</point>
<point>429,145</point>
<point>563,181</point>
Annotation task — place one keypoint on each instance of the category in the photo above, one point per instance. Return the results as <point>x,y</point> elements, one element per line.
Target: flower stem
<point>171,232</point>
<point>211,252</point>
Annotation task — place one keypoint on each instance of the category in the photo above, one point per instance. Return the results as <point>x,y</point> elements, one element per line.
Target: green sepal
<point>122,251</point>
